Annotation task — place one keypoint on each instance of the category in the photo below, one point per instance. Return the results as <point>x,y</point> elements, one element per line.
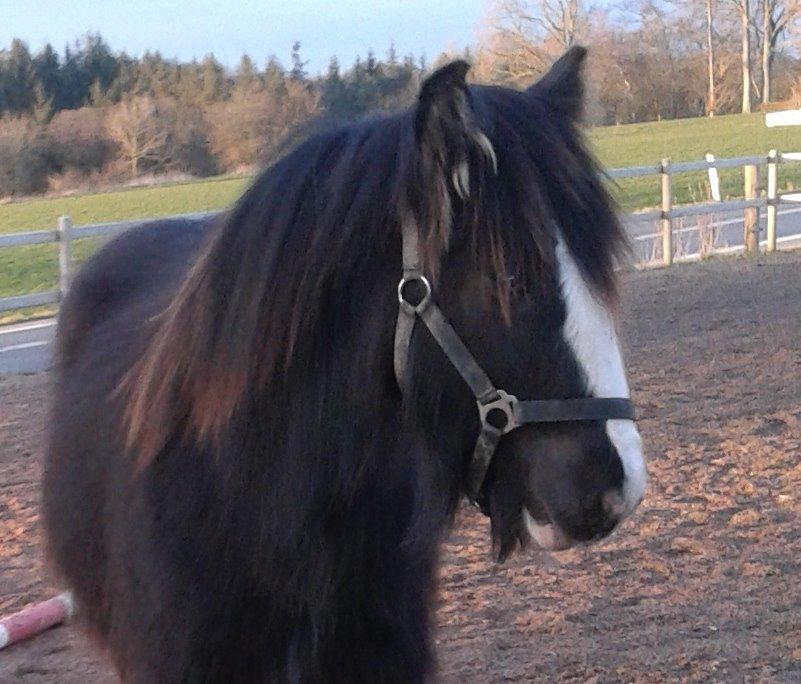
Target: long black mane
<point>305,262</point>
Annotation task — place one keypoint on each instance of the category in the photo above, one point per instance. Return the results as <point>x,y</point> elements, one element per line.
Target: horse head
<point>520,238</point>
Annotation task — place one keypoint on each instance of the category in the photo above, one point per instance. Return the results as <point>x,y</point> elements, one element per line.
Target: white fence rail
<point>64,236</point>
<point>666,216</point>
<point>751,204</point>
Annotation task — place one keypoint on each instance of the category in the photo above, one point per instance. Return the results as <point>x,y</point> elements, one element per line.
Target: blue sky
<point>192,28</point>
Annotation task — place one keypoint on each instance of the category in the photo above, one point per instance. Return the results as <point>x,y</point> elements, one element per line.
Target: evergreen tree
<point>213,79</point>
<point>334,95</point>
<point>17,79</point>
<point>97,96</point>
<point>42,105</point>
<point>75,87</point>
<point>372,63</point>
<point>47,75</point>
<point>274,78</point>
<point>246,78</point>
<point>298,71</point>
<point>99,64</point>
<point>127,78</point>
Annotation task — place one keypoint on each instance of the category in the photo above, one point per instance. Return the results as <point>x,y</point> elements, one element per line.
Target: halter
<point>499,412</point>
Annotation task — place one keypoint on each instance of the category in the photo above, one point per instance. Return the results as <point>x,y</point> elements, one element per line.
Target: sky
<point>227,28</point>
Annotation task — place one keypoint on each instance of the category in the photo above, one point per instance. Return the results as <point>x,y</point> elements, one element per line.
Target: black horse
<point>238,488</point>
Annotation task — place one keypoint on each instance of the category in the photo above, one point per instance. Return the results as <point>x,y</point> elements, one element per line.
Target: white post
<point>773,168</point>
<point>714,178</point>
<point>64,245</point>
<point>667,205</point>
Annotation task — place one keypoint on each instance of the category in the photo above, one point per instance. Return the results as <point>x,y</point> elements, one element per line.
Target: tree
<point>710,62</point>
<point>246,76</point>
<point>47,75</point>
<point>529,34</point>
<point>42,107</point>
<point>743,8</point>
<point>298,71</point>
<point>23,158</point>
<point>274,76</point>
<point>334,96</point>
<point>75,86</point>
<point>16,79</point>
<point>126,80</point>
<point>79,141</point>
<point>392,55</point>
<point>99,64</point>
<point>213,79</point>
<point>136,126</point>
<point>248,128</point>
<point>777,16</point>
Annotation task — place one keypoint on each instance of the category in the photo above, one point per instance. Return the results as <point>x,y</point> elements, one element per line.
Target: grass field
<point>689,140</point>
<point>33,269</point>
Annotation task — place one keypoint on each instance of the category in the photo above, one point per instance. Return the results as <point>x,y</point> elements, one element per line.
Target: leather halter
<point>499,412</point>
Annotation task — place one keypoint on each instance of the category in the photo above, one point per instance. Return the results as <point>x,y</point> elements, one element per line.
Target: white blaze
<point>590,332</point>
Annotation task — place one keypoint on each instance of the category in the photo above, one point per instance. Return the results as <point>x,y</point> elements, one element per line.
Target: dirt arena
<point>704,584</point>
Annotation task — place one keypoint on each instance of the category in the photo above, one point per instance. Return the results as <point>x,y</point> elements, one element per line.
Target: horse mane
<point>472,167</point>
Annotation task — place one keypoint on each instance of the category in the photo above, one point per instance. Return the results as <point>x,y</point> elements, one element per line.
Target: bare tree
<point>249,128</point>
<point>710,62</point>
<point>560,19</point>
<point>743,8</point>
<point>777,15</point>
<point>531,33</point>
<point>136,126</point>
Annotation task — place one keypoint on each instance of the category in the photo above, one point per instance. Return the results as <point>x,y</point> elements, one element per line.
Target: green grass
<point>736,135</point>
<point>120,205</point>
<point>33,268</point>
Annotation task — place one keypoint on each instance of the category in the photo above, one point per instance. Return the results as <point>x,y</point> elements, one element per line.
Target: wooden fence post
<point>773,171</point>
<point>64,250</point>
<point>751,215</point>
<point>667,205</point>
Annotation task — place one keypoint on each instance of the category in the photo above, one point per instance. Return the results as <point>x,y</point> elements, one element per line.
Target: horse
<point>264,422</point>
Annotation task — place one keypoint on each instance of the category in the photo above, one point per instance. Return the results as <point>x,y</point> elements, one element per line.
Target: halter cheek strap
<point>499,412</point>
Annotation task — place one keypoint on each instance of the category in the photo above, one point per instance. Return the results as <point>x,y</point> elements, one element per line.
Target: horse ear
<point>445,125</point>
<point>563,86</point>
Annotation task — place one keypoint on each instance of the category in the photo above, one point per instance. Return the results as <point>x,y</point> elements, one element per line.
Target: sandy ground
<point>702,585</point>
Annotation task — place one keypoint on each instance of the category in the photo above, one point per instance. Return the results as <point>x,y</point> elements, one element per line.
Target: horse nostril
<point>614,504</point>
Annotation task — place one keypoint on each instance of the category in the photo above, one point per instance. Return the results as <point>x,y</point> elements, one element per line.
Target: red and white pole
<point>35,619</point>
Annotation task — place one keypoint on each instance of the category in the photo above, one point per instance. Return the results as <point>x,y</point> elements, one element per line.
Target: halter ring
<point>408,306</point>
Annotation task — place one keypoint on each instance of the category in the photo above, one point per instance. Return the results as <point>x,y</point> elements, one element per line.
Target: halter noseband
<point>499,412</point>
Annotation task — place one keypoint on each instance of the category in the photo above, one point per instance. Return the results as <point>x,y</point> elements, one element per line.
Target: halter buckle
<point>498,415</point>
<point>409,279</point>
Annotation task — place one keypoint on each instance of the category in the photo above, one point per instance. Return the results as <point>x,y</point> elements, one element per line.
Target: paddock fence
<point>668,241</point>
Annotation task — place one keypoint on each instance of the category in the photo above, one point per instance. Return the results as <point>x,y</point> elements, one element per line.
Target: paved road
<point>729,227</point>
<point>27,347</point>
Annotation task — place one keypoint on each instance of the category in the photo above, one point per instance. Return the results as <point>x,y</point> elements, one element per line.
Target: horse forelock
<point>322,226</point>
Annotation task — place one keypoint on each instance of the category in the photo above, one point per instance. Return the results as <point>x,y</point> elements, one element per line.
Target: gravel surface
<point>701,585</point>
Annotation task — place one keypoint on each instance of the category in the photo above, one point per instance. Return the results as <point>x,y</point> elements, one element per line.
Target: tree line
<point>654,59</point>
<point>89,116</point>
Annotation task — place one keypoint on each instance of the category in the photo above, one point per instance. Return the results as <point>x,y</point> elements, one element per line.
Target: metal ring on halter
<point>408,306</point>
<point>499,414</point>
